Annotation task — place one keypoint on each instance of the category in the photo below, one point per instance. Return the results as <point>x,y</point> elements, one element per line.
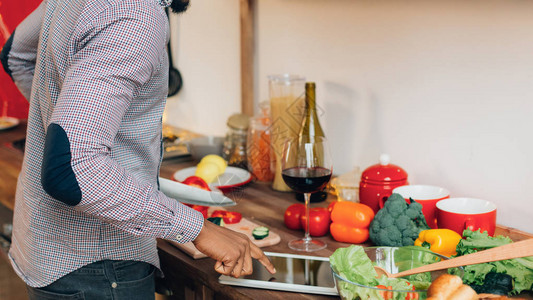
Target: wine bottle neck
<point>310,98</point>
<point>310,125</point>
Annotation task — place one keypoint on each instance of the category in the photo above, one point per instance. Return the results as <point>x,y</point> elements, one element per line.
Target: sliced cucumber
<point>260,232</point>
<point>217,221</point>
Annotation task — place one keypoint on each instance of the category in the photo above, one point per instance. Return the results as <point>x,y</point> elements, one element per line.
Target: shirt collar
<point>165,3</point>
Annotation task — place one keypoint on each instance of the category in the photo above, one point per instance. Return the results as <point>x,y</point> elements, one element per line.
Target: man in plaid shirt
<point>88,209</point>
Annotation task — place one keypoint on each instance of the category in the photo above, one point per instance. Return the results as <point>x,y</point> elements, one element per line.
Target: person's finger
<point>219,267</point>
<point>247,268</point>
<point>261,257</point>
<point>237,269</point>
<point>223,268</point>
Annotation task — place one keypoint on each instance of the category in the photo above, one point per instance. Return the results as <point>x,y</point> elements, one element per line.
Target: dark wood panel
<point>11,286</point>
<point>10,163</point>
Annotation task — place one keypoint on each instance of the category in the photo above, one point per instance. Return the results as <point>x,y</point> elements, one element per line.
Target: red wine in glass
<point>306,169</point>
<point>306,180</point>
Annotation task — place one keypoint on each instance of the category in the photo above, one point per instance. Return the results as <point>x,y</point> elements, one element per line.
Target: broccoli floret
<point>375,226</point>
<point>387,222</point>
<point>411,232</point>
<point>395,208</point>
<point>403,222</point>
<point>391,235</point>
<point>407,240</point>
<point>414,210</point>
<point>397,223</point>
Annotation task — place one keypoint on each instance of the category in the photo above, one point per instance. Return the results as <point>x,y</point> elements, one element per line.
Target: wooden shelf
<point>247,56</point>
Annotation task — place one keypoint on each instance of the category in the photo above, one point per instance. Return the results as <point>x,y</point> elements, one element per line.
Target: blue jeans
<point>106,279</point>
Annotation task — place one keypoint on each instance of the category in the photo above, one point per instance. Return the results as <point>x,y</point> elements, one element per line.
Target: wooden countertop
<point>189,278</point>
<point>10,163</point>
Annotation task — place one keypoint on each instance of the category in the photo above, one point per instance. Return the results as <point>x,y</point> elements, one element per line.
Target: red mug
<point>459,214</point>
<point>427,196</point>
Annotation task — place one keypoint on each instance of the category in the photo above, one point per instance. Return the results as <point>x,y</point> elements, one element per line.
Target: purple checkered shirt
<point>99,70</point>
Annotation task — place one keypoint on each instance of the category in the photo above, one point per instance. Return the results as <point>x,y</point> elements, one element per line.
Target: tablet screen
<point>298,273</point>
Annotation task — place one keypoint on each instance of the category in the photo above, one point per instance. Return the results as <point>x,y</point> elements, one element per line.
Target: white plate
<point>232,177</point>
<point>8,122</point>
<point>192,195</point>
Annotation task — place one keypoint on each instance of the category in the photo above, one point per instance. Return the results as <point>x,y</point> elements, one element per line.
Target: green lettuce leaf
<point>353,264</point>
<point>474,241</point>
<point>521,269</point>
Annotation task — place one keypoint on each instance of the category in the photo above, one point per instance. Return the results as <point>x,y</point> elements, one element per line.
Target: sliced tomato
<point>196,181</point>
<point>413,295</point>
<point>200,208</point>
<point>385,294</point>
<point>229,217</point>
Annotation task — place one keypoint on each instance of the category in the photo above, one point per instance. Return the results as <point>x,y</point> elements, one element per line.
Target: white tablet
<point>294,273</point>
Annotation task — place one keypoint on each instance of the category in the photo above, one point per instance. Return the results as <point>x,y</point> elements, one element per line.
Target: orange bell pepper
<point>350,222</point>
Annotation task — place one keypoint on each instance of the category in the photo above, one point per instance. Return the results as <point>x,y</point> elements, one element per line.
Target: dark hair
<point>179,6</point>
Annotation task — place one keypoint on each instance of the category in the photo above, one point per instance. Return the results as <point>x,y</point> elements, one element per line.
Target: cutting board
<point>245,226</point>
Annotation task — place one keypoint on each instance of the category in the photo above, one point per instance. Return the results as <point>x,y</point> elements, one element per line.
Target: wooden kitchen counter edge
<point>189,278</point>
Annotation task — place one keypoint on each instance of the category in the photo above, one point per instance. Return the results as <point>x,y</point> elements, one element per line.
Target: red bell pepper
<point>200,208</point>
<point>196,182</point>
<point>229,217</point>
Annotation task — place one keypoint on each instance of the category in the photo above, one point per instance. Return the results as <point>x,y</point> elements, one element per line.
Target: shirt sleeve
<point>116,57</point>
<point>20,51</point>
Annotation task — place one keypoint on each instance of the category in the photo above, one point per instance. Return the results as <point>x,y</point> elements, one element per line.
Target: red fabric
<point>12,12</point>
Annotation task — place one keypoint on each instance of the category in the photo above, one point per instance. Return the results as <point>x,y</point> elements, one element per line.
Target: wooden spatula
<point>512,250</point>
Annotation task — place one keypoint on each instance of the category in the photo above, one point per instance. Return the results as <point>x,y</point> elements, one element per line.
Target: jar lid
<point>239,121</point>
<point>384,171</point>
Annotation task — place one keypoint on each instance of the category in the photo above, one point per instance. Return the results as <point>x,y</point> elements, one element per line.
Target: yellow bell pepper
<point>441,241</point>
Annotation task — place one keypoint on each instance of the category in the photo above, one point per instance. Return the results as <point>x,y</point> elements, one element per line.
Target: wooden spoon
<point>512,250</point>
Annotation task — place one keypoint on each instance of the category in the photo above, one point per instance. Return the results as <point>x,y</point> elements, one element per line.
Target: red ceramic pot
<point>378,181</point>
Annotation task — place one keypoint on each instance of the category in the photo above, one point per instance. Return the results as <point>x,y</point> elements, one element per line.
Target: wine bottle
<point>310,124</point>
<point>309,130</point>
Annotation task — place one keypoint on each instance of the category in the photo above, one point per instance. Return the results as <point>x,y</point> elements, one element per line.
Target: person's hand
<point>232,251</point>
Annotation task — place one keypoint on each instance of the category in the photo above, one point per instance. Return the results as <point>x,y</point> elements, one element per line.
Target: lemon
<point>207,171</point>
<point>203,164</point>
<point>219,161</point>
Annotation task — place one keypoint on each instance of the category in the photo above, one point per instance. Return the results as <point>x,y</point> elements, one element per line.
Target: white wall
<point>205,44</point>
<point>444,87</point>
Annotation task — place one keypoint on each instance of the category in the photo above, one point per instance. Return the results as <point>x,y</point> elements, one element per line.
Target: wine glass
<point>306,168</point>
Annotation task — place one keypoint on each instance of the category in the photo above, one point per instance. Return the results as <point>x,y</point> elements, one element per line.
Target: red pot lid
<point>384,171</point>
